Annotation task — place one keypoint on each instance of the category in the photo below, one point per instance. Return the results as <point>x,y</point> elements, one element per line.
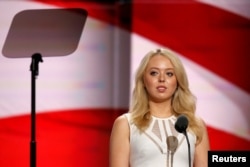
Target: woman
<point>145,136</point>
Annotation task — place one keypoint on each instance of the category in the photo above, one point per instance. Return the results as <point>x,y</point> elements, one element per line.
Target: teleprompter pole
<point>34,68</point>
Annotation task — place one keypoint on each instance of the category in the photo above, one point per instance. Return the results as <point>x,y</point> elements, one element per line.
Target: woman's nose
<point>161,78</point>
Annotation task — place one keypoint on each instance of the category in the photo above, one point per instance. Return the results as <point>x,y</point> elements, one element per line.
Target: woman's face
<point>159,79</point>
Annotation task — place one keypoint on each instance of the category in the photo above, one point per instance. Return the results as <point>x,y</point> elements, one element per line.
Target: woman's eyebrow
<point>157,68</point>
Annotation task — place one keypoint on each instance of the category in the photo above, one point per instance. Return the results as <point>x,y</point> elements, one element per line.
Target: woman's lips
<point>161,88</point>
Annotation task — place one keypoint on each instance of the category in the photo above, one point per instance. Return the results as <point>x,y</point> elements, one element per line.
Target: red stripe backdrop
<point>212,37</point>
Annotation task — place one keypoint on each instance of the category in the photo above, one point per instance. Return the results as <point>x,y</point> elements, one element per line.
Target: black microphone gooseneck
<point>181,125</point>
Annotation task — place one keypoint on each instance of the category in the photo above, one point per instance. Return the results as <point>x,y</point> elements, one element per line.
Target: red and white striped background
<point>80,95</point>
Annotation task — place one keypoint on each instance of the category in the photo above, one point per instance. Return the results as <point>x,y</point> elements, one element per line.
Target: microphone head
<point>181,124</point>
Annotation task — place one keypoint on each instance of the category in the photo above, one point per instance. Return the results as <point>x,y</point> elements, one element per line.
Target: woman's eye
<point>170,74</point>
<point>153,73</point>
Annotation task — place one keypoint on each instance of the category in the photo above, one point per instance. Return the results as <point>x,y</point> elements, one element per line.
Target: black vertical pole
<point>36,58</point>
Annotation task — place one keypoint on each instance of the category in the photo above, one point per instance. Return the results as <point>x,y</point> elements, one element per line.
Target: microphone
<point>181,125</point>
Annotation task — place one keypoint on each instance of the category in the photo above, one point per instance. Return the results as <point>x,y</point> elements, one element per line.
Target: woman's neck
<point>161,110</point>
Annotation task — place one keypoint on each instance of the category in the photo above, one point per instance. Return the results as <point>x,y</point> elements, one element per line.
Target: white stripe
<point>239,7</point>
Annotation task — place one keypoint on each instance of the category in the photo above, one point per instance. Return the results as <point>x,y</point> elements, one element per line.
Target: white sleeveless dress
<point>160,145</point>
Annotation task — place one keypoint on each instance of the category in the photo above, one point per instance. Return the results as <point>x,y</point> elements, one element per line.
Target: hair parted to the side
<point>183,101</point>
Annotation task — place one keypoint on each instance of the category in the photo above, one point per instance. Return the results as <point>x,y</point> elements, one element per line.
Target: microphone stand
<point>189,154</point>
<point>36,58</point>
<point>181,125</point>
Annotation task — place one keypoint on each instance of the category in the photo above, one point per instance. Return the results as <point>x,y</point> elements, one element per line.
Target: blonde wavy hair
<point>183,101</point>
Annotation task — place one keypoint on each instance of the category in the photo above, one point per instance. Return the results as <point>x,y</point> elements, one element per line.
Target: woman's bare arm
<point>119,143</point>
<point>201,149</point>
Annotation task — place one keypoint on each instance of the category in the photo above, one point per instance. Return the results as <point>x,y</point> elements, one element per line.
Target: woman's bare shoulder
<point>121,122</point>
<point>201,122</point>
